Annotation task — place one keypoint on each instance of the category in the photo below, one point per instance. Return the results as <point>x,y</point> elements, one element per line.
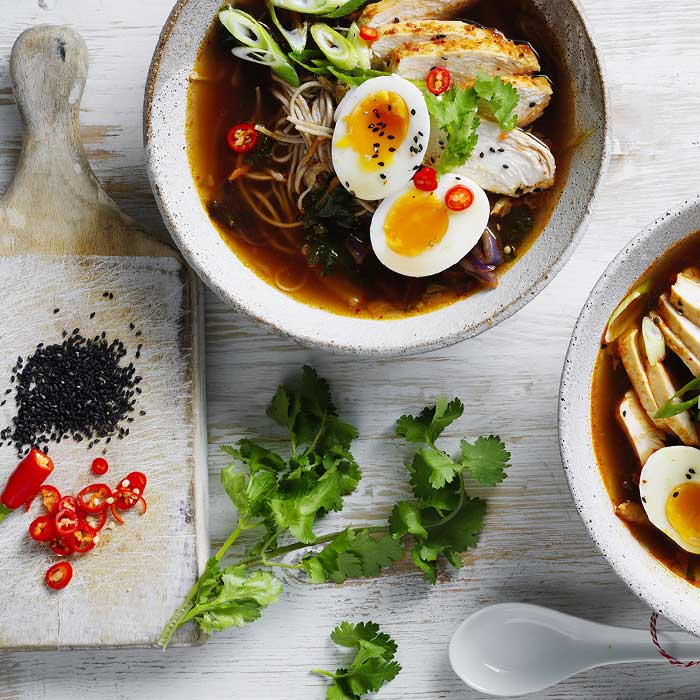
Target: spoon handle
<point>628,646</point>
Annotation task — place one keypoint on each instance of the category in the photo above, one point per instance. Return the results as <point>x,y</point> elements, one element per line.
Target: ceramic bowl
<point>667,593</point>
<point>221,270</point>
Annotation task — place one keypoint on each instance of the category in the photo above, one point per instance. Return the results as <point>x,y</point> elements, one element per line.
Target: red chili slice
<point>43,528</point>
<point>115,513</point>
<point>59,575</point>
<point>61,546</point>
<point>83,539</point>
<point>425,179</point>
<point>134,481</point>
<point>99,466</point>
<point>126,500</point>
<point>66,521</point>
<point>50,496</point>
<point>242,138</point>
<point>68,502</point>
<point>369,33</point>
<point>96,520</point>
<point>438,80</point>
<point>93,498</point>
<point>459,198</point>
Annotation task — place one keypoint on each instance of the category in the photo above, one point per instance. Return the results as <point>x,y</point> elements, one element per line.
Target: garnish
<point>335,47</point>
<point>456,113</point>
<point>258,44</point>
<point>285,496</point>
<point>296,38</point>
<point>372,667</point>
<point>59,575</point>
<point>242,138</point>
<point>369,33</point>
<point>328,8</point>
<point>425,179</point>
<point>673,407</point>
<point>459,198</point>
<point>438,80</point>
<point>25,482</point>
<point>99,466</point>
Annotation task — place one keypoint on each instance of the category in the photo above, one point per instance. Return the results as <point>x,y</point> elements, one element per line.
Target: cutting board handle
<point>55,204</point>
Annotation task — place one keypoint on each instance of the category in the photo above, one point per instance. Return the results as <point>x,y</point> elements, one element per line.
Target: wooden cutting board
<point>64,244</point>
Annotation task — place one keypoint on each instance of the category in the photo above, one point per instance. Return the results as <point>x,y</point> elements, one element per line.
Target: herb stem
<point>321,672</point>
<point>456,511</point>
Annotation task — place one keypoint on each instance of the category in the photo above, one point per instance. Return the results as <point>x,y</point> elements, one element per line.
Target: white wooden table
<point>535,547</point>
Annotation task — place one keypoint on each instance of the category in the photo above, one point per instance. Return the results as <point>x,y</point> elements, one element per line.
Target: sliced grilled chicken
<point>686,330</point>
<point>490,47</point>
<point>633,513</point>
<point>663,389</point>
<point>395,11</point>
<point>511,164</point>
<point>685,296</point>
<point>643,435</point>
<point>676,345</point>
<point>631,356</point>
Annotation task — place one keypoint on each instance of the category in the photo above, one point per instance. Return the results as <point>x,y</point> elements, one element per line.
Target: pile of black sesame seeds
<point>75,390</point>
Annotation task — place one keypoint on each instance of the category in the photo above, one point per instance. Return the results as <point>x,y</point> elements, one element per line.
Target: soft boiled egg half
<point>415,233</point>
<point>381,132</point>
<point>670,489</point>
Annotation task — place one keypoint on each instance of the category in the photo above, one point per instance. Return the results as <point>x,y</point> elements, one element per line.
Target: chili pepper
<point>242,138</point>
<point>61,546</point>
<point>50,496</point>
<point>438,80</point>
<point>369,33</point>
<point>96,520</point>
<point>43,529</point>
<point>99,466</point>
<point>24,483</point>
<point>59,575</point>
<point>83,539</point>
<point>66,521</point>
<point>125,500</point>
<point>459,198</point>
<point>93,498</point>
<point>135,481</point>
<point>115,513</point>
<point>425,179</point>
<point>68,502</point>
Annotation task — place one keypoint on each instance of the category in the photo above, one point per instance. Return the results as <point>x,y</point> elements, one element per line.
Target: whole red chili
<point>459,198</point>
<point>242,138</point>
<point>43,529</point>
<point>369,33</point>
<point>59,575</point>
<point>99,466</point>
<point>425,179</point>
<point>438,80</point>
<point>24,483</point>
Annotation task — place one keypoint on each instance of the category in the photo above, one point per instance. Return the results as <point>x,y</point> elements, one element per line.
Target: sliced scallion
<point>311,7</point>
<point>258,44</point>
<point>335,47</point>
<point>296,38</point>
<point>364,53</point>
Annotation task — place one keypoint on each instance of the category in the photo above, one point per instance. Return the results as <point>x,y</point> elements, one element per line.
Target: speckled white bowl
<point>220,269</point>
<point>667,593</point>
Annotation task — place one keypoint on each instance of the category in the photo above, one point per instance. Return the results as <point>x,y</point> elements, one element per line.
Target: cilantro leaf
<point>431,422</point>
<point>487,459</point>
<point>441,467</point>
<point>352,554</point>
<point>501,98</point>
<point>406,519</point>
<point>372,667</point>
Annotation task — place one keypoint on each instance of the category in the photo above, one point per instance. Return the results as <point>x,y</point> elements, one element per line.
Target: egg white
<point>666,469</point>
<point>409,154</point>
<point>464,230</point>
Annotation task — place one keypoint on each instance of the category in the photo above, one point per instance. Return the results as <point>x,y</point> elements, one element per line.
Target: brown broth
<point>616,459</point>
<point>226,96</point>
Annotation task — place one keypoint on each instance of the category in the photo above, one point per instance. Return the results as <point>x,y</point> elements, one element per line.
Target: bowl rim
<point>666,592</point>
<point>388,347</point>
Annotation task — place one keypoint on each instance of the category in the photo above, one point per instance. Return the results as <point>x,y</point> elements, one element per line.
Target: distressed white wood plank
<point>535,547</point>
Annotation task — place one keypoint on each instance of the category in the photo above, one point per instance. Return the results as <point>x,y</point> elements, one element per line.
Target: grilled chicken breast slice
<point>395,11</point>
<point>663,388</point>
<point>685,296</point>
<point>676,345</point>
<point>643,435</point>
<point>685,329</point>
<point>631,356</point>
<point>493,48</point>
<point>511,164</point>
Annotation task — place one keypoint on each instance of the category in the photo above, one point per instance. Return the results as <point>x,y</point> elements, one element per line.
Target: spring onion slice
<point>306,58</point>
<point>258,44</point>
<point>673,408</point>
<point>654,343</point>
<point>364,53</point>
<point>355,77</point>
<point>327,8</point>
<point>296,38</point>
<point>335,47</point>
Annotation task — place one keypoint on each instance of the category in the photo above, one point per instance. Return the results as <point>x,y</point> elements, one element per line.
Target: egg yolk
<point>683,512</point>
<point>376,128</point>
<point>415,223</point>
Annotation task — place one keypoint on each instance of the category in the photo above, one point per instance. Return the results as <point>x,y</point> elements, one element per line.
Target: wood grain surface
<point>64,244</point>
<point>535,548</point>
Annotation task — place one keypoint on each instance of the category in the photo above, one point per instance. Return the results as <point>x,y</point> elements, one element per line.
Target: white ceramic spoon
<point>513,649</point>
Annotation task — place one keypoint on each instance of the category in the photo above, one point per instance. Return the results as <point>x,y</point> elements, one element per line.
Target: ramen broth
<point>616,459</point>
<point>223,92</point>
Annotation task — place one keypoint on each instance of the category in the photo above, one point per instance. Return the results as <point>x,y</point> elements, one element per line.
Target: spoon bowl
<point>513,649</point>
